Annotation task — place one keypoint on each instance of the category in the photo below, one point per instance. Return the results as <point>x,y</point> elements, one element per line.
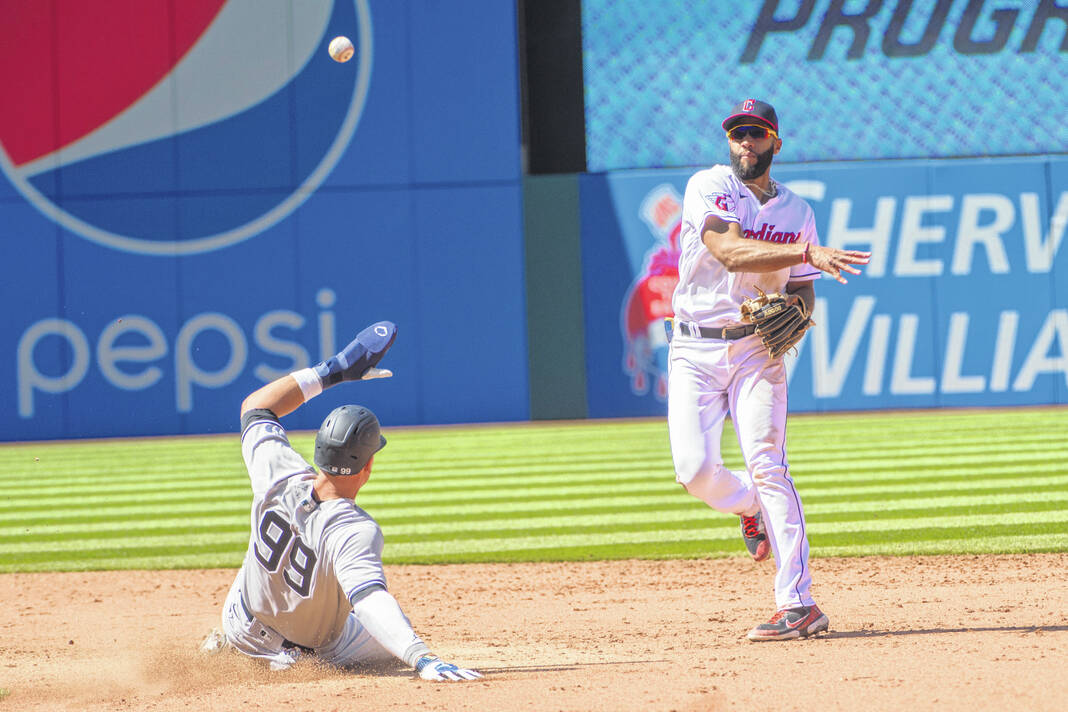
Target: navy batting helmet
<point>347,439</point>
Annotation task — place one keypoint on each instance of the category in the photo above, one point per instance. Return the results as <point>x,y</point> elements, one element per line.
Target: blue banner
<point>850,79</point>
<point>960,305</point>
<point>238,205</point>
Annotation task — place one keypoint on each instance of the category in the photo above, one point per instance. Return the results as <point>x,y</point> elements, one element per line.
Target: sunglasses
<point>737,133</point>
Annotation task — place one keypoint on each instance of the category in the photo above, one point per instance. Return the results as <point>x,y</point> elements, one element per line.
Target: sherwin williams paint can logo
<point>174,128</point>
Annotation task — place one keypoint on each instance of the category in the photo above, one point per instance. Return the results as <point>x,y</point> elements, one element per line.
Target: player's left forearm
<point>281,396</point>
<point>355,362</point>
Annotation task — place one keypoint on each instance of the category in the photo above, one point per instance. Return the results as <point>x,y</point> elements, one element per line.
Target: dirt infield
<point>946,633</point>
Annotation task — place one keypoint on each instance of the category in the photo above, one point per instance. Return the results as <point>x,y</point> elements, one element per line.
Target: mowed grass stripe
<point>81,470</point>
<point>434,506</point>
<point>986,443</point>
<point>429,464</point>
<point>726,541</point>
<point>389,482</point>
<point>817,461</point>
<point>673,542</point>
<point>701,548</point>
<point>1007,544</point>
<point>874,425</point>
<point>630,520</point>
<point>687,548</point>
<point>221,548</point>
<point>223,454</point>
<point>220,453</point>
<point>535,488</point>
<point>586,489</point>
<point>873,530</point>
<point>383,504</point>
<point>230,558</point>
<point>561,509</point>
<point>638,511</point>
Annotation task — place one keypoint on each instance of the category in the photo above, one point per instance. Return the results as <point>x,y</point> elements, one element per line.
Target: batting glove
<point>431,668</point>
<point>358,360</point>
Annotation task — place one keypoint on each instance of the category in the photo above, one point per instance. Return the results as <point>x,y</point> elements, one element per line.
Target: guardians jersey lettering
<point>768,232</point>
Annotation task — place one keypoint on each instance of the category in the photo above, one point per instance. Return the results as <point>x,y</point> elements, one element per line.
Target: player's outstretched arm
<point>727,244</point>
<point>379,613</point>
<point>357,361</point>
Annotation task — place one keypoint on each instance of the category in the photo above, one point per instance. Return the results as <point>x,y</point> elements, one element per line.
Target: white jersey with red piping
<point>707,293</point>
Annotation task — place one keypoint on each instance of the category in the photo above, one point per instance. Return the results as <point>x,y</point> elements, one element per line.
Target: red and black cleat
<point>791,623</point>
<point>756,537</point>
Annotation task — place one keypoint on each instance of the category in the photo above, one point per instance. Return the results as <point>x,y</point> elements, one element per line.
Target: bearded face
<point>747,164</point>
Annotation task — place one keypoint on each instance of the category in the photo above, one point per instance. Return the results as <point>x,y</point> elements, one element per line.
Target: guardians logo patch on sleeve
<point>722,201</point>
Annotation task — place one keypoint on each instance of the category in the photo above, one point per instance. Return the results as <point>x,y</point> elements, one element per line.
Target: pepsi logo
<point>177,128</point>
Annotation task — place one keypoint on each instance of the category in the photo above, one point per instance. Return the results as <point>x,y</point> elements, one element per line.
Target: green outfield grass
<point>929,482</point>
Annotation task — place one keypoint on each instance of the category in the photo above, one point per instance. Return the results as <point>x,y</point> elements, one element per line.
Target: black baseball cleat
<point>791,623</point>
<point>756,537</point>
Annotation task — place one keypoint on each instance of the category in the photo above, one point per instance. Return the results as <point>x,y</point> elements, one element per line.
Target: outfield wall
<point>193,209</point>
<point>961,305</point>
<point>964,302</point>
<point>850,79</point>
<point>195,199</point>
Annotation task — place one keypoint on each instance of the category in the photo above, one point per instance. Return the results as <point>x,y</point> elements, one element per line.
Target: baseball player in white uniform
<point>742,232</point>
<point>312,581</point>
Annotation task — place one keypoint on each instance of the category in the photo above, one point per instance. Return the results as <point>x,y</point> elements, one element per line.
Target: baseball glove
<point>780,321</point>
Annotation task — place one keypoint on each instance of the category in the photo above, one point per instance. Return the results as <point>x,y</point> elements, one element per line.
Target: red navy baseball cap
<point>752,110</point>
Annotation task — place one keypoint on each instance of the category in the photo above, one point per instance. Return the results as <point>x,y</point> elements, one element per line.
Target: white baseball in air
<point>341,49</point>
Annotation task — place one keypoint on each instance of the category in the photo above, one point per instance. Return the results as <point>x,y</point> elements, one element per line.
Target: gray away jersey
<point>306,560</point>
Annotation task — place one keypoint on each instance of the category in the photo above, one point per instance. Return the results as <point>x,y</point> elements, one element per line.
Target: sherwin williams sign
<point>960,305</point>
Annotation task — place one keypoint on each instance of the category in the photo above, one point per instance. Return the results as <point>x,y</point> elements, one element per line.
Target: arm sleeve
<point>383,618</point>
<point>356,544</point>
<point>256,414</point>
<point>266,450</point>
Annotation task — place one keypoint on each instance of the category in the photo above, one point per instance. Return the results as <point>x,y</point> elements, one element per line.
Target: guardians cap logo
<point>176,128</point>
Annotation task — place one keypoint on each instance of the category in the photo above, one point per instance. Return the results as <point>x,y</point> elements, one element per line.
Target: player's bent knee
<point>705,480</point>
<point>688,469</point>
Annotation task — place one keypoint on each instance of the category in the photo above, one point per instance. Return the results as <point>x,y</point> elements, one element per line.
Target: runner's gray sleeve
<point>354,542</point>
<point>267,452</point>
<point>383,618</point>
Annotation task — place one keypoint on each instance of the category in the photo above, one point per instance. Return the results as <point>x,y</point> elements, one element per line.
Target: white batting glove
<point>376,373</point>
<point>431,668</point>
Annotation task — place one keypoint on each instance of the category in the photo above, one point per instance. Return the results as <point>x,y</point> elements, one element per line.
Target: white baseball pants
<point>707,379</point>
<point>354,646</point>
